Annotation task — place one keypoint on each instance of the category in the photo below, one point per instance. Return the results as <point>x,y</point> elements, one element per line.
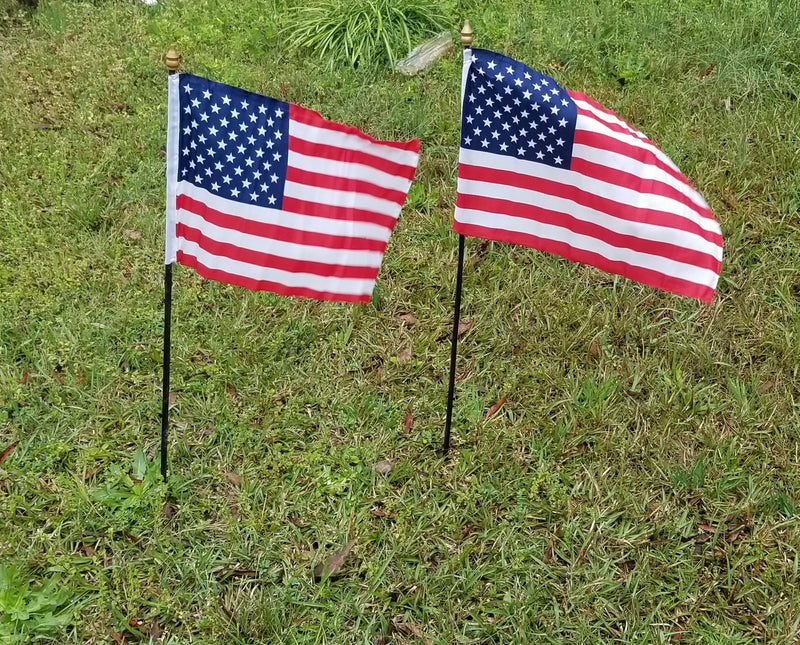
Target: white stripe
<point>314,134</point>
<point>606,190</point>
<point>663,265</point>
<point>645,231</point>
<point>349,286</point>
<point>622,162</point>
<point>341,198</point>
<point>289,250</point>
<point>599,124</point>
<point>609,118</point>
<point>347,170</point>
<point>173,136</point>
<point>289,220</point>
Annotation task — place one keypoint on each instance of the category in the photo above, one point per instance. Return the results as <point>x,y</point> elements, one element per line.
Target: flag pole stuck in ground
<point>466,42</point>
<point>554,170</point>
<point>172,61</point>
<point>270,196</point>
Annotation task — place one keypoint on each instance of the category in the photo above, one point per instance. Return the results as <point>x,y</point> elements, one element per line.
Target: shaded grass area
<point>640,482</point>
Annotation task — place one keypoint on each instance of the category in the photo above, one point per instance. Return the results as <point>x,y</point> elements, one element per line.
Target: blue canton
<point>233,143</point>
<point>510,109</point>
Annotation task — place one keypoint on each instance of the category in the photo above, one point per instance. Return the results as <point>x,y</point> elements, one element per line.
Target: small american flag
<point>270,196</point>
<point>552,169</point>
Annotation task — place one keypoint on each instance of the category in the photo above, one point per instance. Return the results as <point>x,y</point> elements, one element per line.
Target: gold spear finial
<point>466,34</point>
<point>172,60</point>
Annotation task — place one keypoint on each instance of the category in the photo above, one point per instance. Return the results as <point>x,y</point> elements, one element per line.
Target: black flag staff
<point>172,61</point>
<point>466,42</point>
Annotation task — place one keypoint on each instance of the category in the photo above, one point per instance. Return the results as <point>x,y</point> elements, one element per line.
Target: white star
<point>226,179</point>
<point>230,158</point>
<point>218,165</point>
<point>248,162</point>
<point>206,94</point>
<point>188,89</point>
<point>518,82</point>
<point>215,108</point>
<point>222,145</point>
<point>254,196</point>
<point>195,103</point>
<point>558,160</point>
<point>467,141</point>
<point>503,147</point>
<point>470,119</point>
<point>278,134</point>
<point>260,153</point>
<point>551,130</point>
<point>545,82</point>
<point>264,188</point>
<point>495,135</point>
<point>243,126</point>
<point>238,170</point>
<point>279,113</point>
<point>185,151</point>
<point>277,156</point>
<point>562,122</point>
<point>226,100</point>
<point>485,143</point>
<point>201,138</point>
<point>204,117</point>
<point>213,131</point>
<point>550,149</point>
<point>262,108</point>
<point>490,64</point>
<point>546,98</point>
<point>253,118</point>
<point>187,109</point>
<point>201,159</point>
<point>187,130</point>
<point>224,123</point>
<point>246,183</point>
<point>272,199</point>
<point>256,174</point>
<point>521,151</point>
<point>240,149</point>
<point>527,76</point>
<point>232,135</point>
<point>235,192</point>
<point>560,142</point>
<point>554,109</point>
<point>215,186</point>
<point>245,104</point>
<point>235,113</point>
<point>270,122</point>
<point>273,178</point>
<point>261,131</point>
<point>540,155</point>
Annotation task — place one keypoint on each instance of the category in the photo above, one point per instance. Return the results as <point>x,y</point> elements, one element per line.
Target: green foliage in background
<point>362,32</point>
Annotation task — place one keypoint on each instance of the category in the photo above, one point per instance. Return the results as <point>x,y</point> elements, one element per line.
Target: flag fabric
<point>270,196</point>
<point>552,169</point>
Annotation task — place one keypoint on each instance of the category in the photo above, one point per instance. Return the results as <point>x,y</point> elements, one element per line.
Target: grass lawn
<point>639,485</point>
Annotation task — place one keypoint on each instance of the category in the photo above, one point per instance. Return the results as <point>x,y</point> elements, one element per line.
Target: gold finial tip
<point>466,34</point>
<point>172,59</point>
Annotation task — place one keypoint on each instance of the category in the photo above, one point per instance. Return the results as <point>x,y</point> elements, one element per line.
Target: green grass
<point>640,484</point>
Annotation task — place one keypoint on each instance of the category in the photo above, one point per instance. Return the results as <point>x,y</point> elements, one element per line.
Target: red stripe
<point>275,232</point>
<point>264,285</point>
<point>269,260</point>
<point>636,183</point>
<point>310,117</point>
<point>349,155</point>
<point>345,184</point>
<point>643,155</point>
<point>587,199</point>
<point>580,227</point>
<point>344,213</point>
<point>647,276</point>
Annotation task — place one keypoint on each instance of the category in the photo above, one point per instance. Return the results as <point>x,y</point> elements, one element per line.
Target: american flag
<point>270,196</point>
<point>552,169</point>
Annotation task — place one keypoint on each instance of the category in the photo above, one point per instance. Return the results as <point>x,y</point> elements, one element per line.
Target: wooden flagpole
<point>172,61</point>
<point>466,42</point>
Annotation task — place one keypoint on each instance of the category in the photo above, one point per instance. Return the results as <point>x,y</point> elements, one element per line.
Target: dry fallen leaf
<point>334,564</point>
<point>411,628</point>
<point>404,355</point>
<point>234,479</point>
<point>493,410</point>
<point>231,390</point>
<point>407,318</point>
<point>408,422</point>
<point>464,326</point>
<point>130,233</point>
<point>168,510</point>
<point>383,467</point>
<point>173,397</point>
<point>708,70</point>
<point>766,386</point>
<point>4,455</point>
